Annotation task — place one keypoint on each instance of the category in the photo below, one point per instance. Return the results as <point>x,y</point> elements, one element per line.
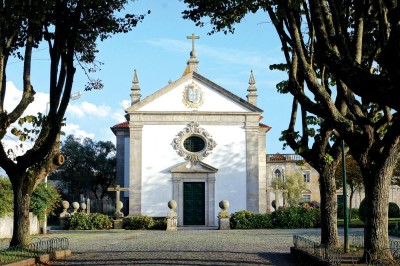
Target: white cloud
<point>75,110</point>
<point>14,95</point>
<point>125,104</point>
<point>74,129</point>
<point>118,116</point>
<point>85,108</point>
<point>16,146</point>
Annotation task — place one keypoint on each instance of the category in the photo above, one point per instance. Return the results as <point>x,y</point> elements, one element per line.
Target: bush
<point>394,210</point>
<point>138,223</point>
<point>89,221</point>
<point>297,217</point>
<point>248,220</point>
<point>340,212</point>
<point>160,223</point>
<point>315,204</point>
<point>43,199</point>
<point>354,213</point>
<point>6,197</point>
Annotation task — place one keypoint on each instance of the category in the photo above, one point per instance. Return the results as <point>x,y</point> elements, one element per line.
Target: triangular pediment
<point>214,98</point>
<point>198,167</point>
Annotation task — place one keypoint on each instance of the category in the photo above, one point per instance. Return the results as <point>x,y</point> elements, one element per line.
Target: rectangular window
<point>306,177</point>
<point>306,198</point>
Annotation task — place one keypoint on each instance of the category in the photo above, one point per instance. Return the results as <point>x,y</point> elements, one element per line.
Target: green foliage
<point>394,211</point>
<point>354,223</point>
<point>44,200</point>
<point>160,223</point>
<point>289,217</point>
<point>354,177</point>
<point>240,219</point>
<point>340,212</point>
<point>6,197</point>
<point>294,184</point>
<point>354,213</point>
<point>328,159</point>
<point>138,223</point>
<point>297,217</point>
<point>91,221</point>
<point>89,167</point>
<point>248,220</point>
<point>31,131</point>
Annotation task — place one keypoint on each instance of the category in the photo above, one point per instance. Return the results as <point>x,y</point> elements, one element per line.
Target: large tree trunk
<point>376,238</point>
<point>329,232</point>
<point>23,189</point>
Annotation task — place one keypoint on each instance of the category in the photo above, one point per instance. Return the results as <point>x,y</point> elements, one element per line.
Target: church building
<point>193,142</point>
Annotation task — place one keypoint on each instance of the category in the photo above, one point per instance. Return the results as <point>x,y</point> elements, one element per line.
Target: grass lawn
<point>356,223</point>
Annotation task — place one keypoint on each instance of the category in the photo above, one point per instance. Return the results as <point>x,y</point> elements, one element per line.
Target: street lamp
<point>74,96</point>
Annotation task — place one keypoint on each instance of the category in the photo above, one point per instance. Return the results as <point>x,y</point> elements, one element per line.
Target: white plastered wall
<point>173,101</point>
<point>229,157</point>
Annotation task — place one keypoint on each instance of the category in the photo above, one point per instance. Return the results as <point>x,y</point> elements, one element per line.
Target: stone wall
<point>6,225</point>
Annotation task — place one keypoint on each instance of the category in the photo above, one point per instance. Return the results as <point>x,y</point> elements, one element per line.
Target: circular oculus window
<point>194,144</point>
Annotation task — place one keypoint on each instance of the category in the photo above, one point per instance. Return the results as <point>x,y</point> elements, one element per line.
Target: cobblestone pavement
<point>185,247</point>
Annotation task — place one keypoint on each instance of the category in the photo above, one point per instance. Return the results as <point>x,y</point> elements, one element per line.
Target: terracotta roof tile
<point>121,125</point>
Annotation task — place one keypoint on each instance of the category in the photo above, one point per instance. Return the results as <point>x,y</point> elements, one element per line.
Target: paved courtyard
<point>185,247</point>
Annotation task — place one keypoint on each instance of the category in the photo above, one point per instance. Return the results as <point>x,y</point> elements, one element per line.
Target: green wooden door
<point>193,203</point>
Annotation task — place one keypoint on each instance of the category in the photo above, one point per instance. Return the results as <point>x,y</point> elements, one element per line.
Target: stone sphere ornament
<point>172,204</point>
<point>83,206</point>
<point>224,204</point>
<point>65,204</point>
<point>75,206</point>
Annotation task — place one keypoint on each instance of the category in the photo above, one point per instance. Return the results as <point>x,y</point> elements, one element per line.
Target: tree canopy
<point>342,63</point>
<point>294,184</point>
<point>70,29</point>
<point>89,167</point>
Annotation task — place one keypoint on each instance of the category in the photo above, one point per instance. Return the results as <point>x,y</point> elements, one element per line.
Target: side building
<point>279,166</point>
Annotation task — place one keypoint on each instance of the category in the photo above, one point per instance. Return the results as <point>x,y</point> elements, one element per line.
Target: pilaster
<point>252,165</point>
<point>135,169</point>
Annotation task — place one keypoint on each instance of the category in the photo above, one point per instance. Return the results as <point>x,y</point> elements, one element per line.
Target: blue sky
<point>159,50</point>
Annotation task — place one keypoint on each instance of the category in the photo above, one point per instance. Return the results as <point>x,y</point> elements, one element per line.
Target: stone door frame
<point>204,173</point>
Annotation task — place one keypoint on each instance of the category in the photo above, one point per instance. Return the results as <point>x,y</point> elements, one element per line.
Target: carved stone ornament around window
<point>193,129</point>
<point>193,96</point>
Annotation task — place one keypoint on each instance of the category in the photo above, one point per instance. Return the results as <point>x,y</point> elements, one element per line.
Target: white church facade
<point>196,143</point>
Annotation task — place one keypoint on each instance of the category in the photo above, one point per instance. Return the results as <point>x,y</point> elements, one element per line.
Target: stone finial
<point>172,217</point>
<point>83,207</point>
<point>135,95</point>
<point>223,216</point>
<point>193,62</point>
<point>75,207</point>
<point>252,95</point>
<point>65,205</point>
<point>224,204</point>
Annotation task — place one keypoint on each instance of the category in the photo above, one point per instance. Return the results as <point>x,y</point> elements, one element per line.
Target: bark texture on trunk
<point>328,205</point>
<point>22,199</point>
<point>376,238</point>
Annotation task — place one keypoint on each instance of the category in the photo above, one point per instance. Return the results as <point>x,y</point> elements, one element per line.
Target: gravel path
<point>185,247</point>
